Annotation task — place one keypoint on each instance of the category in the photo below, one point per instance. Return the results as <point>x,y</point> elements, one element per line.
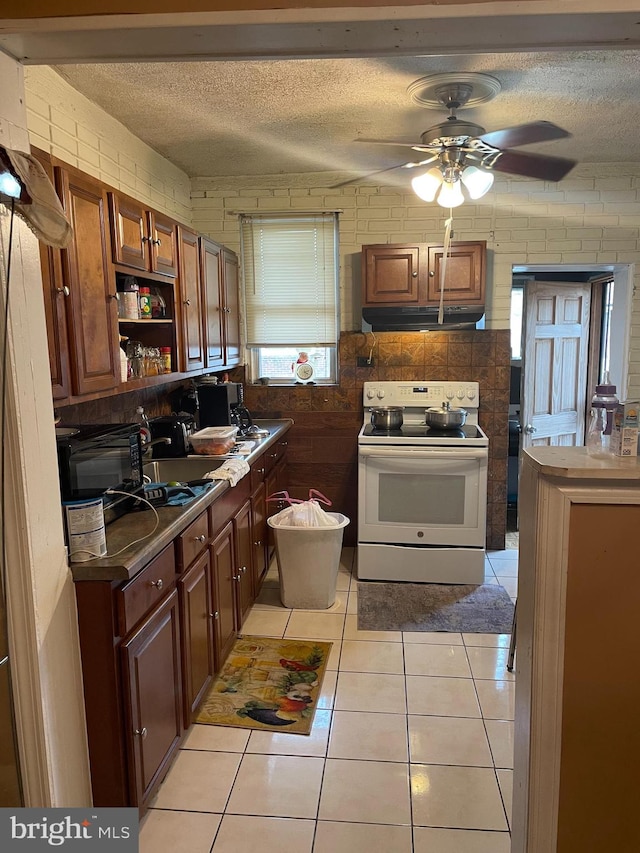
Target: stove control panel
<point>419,394</point>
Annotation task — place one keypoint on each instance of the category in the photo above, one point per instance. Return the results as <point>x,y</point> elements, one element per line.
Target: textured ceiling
<point>278,117</point>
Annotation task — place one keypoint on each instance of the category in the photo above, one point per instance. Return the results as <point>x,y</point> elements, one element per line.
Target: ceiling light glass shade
<point>9,185</point>
<point>477,181</point>
<point>426,186</point>
<point>450,195</point>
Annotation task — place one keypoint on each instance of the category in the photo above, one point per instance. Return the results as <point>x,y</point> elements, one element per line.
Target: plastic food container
<point>213,441</point>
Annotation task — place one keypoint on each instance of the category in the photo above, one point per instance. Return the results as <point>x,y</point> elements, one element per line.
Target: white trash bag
<point>301,513</point>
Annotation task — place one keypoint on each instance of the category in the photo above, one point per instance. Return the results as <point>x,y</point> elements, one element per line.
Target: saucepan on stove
<point>386,417</point>
<point>445,417</point>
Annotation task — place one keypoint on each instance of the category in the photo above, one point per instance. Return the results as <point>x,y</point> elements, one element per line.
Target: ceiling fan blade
<point>381,171</point>
<point>390,142</point>
<point>364,177</point>
<point>532,165</point>
<point>524,134</point>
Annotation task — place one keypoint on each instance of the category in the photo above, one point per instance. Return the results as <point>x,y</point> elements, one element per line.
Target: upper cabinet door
<point>164,256</point>
<point>129,232</point>
<point>464,274</point>
<point>392,275</point>
<point>231,307</point>
<point>55,294</point>
<point>191,307</point>
<point>89,276</point>
<point>211,269</point>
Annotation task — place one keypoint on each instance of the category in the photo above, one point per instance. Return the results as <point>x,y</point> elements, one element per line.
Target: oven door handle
<point>424,453</point>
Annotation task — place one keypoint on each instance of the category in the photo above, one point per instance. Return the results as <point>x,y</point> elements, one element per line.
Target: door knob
<point>530,429</point>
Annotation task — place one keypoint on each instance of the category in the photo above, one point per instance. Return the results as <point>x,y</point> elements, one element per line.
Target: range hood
<point>422,318</point>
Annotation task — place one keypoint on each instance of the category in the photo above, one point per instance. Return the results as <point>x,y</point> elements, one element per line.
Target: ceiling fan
<point>463,153</point>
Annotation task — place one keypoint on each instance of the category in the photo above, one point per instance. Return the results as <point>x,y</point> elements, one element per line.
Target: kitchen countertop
<point>576,463</point>
<point>172,520</point>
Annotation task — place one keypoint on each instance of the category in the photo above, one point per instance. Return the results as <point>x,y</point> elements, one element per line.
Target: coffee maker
<point>222,404</point>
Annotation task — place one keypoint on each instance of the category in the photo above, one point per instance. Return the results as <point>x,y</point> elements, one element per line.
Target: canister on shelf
<point>165,352</point>
<point>144,301</point>
<point>129,299</point>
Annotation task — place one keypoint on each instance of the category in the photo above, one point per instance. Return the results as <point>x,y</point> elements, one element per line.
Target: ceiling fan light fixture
<point>450,195</point>
<point>477,181</point>
<point>426,186</point>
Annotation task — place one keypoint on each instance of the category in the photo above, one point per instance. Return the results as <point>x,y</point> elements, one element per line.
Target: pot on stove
<point>386,417</point>
<point>444,417</point>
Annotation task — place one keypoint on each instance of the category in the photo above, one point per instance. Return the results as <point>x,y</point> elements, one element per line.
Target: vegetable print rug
<point>267,684</point>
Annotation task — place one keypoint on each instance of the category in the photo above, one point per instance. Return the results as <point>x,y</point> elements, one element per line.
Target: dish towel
<point>232,470</point>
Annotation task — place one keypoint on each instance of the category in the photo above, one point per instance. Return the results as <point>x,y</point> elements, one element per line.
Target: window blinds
<point>290,279</point>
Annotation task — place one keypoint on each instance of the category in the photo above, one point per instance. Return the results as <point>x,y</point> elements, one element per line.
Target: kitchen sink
<point>179,470</point>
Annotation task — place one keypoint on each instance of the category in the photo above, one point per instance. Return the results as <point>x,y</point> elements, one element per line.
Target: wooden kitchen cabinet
<point>198,632</point>
<point>153,697</point>
<point>224,574</point>
<point>142,239</point>
<point>409,275</point>
<point>243,547</point>
<point>191,301</point>
<point>219,270</point>
<point>576,734</point>
<point>259,535</point>
<point>55,294</point>
<point>465,273</point>
<point>89,276</point>
<point>392,275</point>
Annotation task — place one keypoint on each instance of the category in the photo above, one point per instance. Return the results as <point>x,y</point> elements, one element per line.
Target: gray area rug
<point>485,609</point>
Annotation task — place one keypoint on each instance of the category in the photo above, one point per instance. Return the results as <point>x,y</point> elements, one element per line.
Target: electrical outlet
<point>363,361</point>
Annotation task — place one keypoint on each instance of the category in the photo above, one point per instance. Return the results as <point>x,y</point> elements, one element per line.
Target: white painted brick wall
<point>71,127</point>
<point>593,217</point>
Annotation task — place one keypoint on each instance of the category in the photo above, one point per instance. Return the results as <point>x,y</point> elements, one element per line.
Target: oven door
<point>422,495</point>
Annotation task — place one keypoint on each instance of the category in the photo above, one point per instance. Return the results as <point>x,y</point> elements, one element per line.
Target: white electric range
<point>422,492</point>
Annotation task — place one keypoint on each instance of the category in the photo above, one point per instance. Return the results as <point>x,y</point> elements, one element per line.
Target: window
<point>290,277</point>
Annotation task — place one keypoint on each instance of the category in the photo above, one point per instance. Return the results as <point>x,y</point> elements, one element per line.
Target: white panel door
<point>555,363</point>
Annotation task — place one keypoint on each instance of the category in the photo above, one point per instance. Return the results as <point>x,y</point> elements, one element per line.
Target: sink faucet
<point>149,444</point>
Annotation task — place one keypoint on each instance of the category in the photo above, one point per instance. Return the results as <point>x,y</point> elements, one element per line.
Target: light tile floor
<point>411,749</point>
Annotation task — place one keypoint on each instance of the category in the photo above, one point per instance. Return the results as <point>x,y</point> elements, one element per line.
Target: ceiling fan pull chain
<point>443,267</point>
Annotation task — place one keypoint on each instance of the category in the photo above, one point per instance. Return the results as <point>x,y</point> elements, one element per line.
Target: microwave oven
<point>93,458</point>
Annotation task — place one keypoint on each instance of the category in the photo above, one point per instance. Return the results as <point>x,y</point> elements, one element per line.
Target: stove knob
<point>371,393</point>
<point>471,393</point>
<point>460,394</point>
<point>380,393</point>
<point>449,394</point>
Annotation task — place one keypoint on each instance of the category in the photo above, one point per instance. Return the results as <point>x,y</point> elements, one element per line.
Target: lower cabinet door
<point>259,536</point>
<point>197,621</point>
<point>244,561</point>
<point>152,682</point>
<point>224,583</point>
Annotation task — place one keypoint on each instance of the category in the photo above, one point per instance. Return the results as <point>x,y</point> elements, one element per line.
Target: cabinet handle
<point>158,584</point>
<point>243,569</point>
<point>260,470</point>
<point>113,295</point>
<point>141,732</point>
<point>238,577</point>
<point>415,274</point>
<point>187,302</point>
<point>274,455</point>
<point>157,242</point>
<point>258,542</point>
<point>64,290</point>
<point>146,240</point>
<point>199,538</point>
<point>431,273</point>
<point>215,615</point>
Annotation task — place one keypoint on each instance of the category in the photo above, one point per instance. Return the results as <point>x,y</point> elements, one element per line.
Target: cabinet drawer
<point>142,593</point>
<point>274,454</point>
<point>193,540</point>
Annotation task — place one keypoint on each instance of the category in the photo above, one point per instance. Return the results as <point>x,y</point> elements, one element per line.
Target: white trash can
<point>308,562</point>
